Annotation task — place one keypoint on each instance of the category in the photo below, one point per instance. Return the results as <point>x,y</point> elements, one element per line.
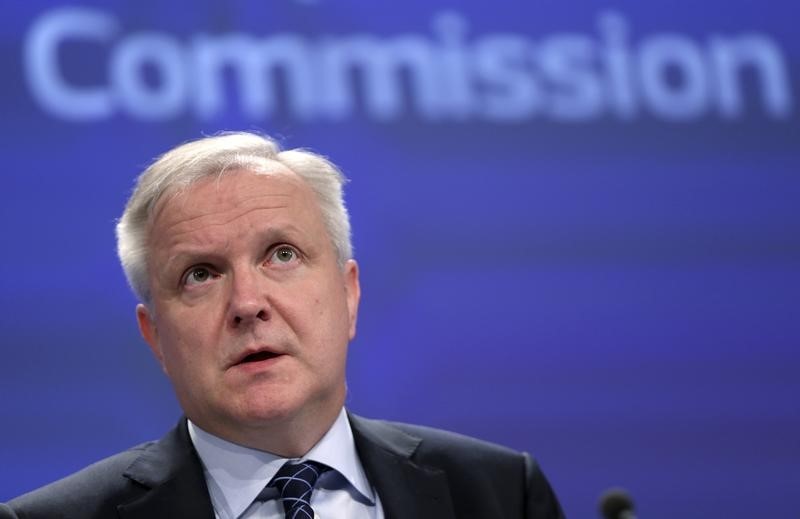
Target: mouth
<point>258,356</point>
<point>255,358</point>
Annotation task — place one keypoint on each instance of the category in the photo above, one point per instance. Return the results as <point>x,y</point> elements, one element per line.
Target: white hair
<point>184,165</point>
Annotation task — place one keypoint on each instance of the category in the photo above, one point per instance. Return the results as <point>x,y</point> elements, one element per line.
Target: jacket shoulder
<point>91,492</point>
<point>451,447</point>
<point>482,476</point>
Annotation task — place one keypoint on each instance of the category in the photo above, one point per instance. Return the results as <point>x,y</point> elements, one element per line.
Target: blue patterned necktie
<point>295,483</point>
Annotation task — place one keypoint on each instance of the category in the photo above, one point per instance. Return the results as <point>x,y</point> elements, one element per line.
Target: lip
<point>256,358</point>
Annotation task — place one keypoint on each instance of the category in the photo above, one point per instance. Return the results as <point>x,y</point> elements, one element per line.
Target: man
<point>240,255</point>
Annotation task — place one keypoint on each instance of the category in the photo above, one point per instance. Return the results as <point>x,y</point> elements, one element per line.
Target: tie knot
<point>295,482</point>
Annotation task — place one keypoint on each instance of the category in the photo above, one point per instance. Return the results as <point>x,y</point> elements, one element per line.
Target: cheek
<point>185,342</point>
<point>175,351</point>
<point>198,318</point>
<point>313,318</point>
<point>333,312</point>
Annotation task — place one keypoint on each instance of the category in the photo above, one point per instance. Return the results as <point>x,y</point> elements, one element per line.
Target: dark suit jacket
<point>418,472</point>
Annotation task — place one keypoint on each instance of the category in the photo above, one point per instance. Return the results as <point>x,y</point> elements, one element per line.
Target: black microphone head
<point>616,503</point>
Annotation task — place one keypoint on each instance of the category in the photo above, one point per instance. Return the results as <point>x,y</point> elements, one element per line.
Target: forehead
<point>216,199</point>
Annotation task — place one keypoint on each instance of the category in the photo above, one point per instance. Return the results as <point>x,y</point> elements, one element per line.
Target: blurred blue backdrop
<point>577,224</point>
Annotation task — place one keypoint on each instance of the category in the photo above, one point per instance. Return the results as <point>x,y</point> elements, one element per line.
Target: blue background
<point>618,296</point>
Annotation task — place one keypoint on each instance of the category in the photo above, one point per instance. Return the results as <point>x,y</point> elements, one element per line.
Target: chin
<point>264,410</point>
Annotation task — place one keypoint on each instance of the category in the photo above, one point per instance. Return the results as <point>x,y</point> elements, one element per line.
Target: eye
<point>197,276</point>
<point>284,255</point>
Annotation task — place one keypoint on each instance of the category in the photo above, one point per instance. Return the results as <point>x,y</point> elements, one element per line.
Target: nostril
<point>241,318</point>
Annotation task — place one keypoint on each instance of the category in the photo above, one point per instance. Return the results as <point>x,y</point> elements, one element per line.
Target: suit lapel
<point>405,488</point>
<point>171,472</point>
<point>174,485</point>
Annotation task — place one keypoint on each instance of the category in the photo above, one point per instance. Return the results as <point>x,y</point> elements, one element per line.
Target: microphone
<point>616,503</point>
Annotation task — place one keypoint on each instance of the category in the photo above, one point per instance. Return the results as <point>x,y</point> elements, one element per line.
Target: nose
<point>248,300</point>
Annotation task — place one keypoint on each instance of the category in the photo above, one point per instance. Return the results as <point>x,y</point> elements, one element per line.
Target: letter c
<point>42,69</point>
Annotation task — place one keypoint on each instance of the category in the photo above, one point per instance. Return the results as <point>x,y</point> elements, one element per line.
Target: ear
<point>147,327</point>
<point>352,289</point>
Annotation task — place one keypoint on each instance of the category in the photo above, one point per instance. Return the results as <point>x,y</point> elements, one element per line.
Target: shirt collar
<point>236,474</point>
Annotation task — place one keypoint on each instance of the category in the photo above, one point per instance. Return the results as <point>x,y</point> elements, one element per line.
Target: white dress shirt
<point>235,475</point>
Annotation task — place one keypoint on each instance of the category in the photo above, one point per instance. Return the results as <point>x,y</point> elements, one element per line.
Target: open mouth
<point>258,357</point>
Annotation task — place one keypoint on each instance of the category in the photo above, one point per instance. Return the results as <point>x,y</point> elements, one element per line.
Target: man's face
<point>251,313</point>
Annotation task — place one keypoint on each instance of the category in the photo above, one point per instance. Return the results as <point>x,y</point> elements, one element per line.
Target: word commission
<point>447,75</point>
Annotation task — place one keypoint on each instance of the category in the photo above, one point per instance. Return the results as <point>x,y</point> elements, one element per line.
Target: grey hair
<point>184,165</point>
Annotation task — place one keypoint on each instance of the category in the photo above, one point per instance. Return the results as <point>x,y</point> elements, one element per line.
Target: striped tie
<point>295,482</point>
